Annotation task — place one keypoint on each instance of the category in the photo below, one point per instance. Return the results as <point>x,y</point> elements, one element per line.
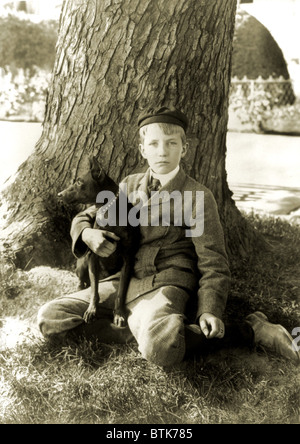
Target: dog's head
<point>86,187</point>
<point>104,182</point>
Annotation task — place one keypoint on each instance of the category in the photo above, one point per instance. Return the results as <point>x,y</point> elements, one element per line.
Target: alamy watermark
<point>181,209</point>
<point>296,341</point>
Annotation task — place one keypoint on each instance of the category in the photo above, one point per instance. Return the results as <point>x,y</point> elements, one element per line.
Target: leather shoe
<point>272,336</point>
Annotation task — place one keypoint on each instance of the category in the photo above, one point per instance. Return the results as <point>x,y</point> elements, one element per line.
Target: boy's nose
<point>162,148</point>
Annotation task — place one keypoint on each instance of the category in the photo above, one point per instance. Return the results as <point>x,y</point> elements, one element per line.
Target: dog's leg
<point>82,271</point>
<point>91,311</point>
<point>119,311</point>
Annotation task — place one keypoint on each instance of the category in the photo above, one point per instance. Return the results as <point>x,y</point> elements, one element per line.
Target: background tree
<point>255,52</point>
<point>27,45</point>
<point>113,59</point>
<point>263,101</point>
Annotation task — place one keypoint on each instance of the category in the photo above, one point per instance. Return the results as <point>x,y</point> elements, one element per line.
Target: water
<point>18,140</point>
<point>263,159</point>
<point>263,173</point>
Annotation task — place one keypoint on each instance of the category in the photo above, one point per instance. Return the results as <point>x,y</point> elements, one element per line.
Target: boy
<point>175,267</point>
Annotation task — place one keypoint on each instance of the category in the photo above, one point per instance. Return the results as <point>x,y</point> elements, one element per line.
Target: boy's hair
<point>167,128</point>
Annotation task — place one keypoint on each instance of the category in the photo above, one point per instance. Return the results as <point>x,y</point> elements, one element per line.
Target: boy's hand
<point>211,326</point>
<point>101,242</point>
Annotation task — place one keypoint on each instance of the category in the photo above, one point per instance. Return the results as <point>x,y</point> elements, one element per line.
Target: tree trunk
<point>113,59</point>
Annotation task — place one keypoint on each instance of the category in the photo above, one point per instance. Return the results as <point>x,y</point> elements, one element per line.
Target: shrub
<point>27,45</point>
<point>266,106</point>
<point>23,96</point>
<point>27,53</point>
<point>283,119</point>
<point>250,110</point>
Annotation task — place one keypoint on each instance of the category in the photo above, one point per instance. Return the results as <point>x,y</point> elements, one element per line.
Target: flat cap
<point>163,115</point>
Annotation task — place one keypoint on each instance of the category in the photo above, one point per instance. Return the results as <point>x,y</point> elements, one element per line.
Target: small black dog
<point>85,190</point>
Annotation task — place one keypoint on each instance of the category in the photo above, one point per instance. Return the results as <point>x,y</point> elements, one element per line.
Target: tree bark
<point>115,57</point>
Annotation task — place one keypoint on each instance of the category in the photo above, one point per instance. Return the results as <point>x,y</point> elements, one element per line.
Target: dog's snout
<point>61,194</point>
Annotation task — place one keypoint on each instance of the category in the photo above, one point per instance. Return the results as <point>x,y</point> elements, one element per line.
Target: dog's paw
<point>90,315</point>
<point>119,320</point>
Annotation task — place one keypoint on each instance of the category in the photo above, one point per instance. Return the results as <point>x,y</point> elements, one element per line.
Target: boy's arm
<point>213,265</point>
<point>84,219</point>
<point>84,236</point>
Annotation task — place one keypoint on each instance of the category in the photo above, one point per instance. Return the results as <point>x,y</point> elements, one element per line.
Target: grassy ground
<point>93,383</point>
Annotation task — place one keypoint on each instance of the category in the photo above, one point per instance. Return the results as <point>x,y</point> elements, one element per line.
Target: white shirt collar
<point>165,178</point>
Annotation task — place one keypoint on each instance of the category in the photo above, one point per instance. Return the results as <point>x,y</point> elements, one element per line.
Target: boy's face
<point>163,152</point>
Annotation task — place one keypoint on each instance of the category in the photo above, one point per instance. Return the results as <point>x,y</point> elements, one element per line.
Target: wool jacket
<point>170,252</point>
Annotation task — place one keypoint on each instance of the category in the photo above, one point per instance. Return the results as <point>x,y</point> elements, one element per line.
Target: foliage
<point>255,52</point>
<point>89,382</point>
<point>27,45</point>
<point>27,53</point>
<point>23,96</point>
<point>251,107</point>
<point>257,105</point>
<point>283,119</point>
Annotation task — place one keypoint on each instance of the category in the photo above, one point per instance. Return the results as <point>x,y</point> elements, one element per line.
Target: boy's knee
<point>161,355</point>
<point>164,343</point>
<point>42,318</point>
<point>54,319</point>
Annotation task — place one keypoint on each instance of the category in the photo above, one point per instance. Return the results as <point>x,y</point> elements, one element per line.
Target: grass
<point>88,383</point>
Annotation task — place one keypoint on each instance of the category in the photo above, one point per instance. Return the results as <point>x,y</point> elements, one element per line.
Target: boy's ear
<point>142,151</point>
<point>185,148</point>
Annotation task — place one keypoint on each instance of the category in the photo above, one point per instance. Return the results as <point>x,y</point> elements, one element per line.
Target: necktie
<point>155,185</point>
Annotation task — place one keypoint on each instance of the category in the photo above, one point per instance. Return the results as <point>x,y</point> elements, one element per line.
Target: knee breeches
<point>155,319</point>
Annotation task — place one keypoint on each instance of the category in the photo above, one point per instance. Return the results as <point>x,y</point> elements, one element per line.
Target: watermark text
<point>181,209</point>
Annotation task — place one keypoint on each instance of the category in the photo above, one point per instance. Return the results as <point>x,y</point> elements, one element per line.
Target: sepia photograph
<point>149,214</point>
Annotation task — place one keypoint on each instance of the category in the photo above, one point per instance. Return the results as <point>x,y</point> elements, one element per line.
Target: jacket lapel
<point>175,184</point>
<point>143,184</point>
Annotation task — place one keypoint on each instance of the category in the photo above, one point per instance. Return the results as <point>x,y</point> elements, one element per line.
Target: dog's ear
<point>93,162</point>
<point>95,167</point>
